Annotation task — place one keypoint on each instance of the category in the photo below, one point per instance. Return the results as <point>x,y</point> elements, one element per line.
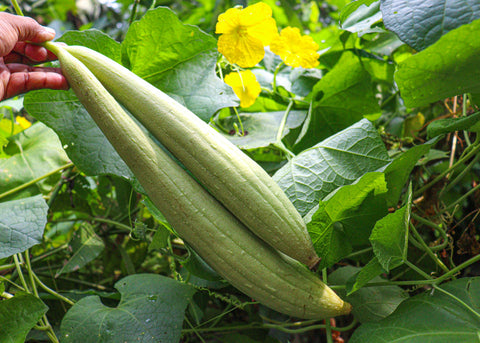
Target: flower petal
<point>294,49</point>
<point>246,51</point>
<point>229,21</point>
<point>245,86</point>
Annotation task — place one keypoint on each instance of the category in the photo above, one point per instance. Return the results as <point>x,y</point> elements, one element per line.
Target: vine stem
<point>474,150</point>
<point>437,228</point>
<point>275,73</point>
<point>34,181</point>
<point>17,8</point>
<point>427,249</point>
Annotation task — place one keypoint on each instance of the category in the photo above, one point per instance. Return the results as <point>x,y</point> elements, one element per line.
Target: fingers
<point>29,54</point>
<point>24,78</point>
<point>28,29</point>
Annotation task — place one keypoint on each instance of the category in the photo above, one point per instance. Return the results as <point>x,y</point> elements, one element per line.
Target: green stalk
<point>437,228</point>
<point>32,182</point>
<point>17,8</point>
<point>474,149</point>
<point>427,249</point>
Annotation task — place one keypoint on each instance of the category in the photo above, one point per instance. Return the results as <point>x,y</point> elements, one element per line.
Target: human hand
<point>17,57</point>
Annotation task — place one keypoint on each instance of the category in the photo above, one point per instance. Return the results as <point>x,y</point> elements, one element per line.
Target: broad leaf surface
<point>346,218</point>
<point>32,153</point>
<point>151,309</point>
<point>86,246</point>
<point>341,98</point>
<point>442,126</point>
<point>179,59</point>
<point>95,40</point>
<point>337,161</point>
<point>18,316</point>
<point>429,317</point>
<point>261,128</point>
<point>22,223</point>
<point>370,304</point>
<point>444,69</point>
<point>421,23</point>
<point>83,141</point>
<point>389,237</point>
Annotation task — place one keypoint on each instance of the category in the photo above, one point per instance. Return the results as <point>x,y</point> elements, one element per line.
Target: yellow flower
<point>245,33</point>
<point>23,122</point>
<point>294,49</point>
<point>245,86</point>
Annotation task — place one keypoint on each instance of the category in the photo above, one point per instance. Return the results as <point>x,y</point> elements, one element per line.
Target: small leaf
<point>390,237</point>
<point>86,246</point>
<point>441,71</point>
<point>337,161</point>
<point>261,128</point>
<point>421,23</point>
<point>369,304</point>
<point>345,218</point>
<point>22,223</point>
<point>370,271</point>
<point>151,310</point>
<point>429,317</point>
<point>360,16</point>
<point>18,315</point>
<point>442,126</point>
<point>398,171</point>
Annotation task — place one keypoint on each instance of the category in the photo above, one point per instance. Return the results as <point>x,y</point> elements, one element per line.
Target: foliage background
<point>376,147</point>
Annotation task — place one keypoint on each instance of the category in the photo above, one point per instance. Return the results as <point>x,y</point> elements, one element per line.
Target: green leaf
<point>369,304</point>
<point>360,16</point>
<point>33,153</point>
<point>441,126</point>
<point>345,218</point>
<point>179,59</point>
<point>22,223</point>
<point>86,246</point>
<point>421,23</point>
<point>261,128</point>
<point>337,161</point>
<point>398,171</point>
<point>441,71</point>
<point>83,141</point>
<point>370,271</point>
<point>390,237</point>
<point>18,315</point>
<point>341,98</point>
<point>429,317</point>
<point>151,309</point>
<point>96,40</point>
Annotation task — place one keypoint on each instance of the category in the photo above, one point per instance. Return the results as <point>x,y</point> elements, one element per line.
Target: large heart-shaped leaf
<point>151,310</point>
<point>432,316</point>
<point>337,161</point>
<point>179,59</point>
<point>421,23</point>
<point>441,71</point>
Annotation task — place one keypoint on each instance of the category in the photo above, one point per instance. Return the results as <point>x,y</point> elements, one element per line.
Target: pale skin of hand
<point>18,55</point>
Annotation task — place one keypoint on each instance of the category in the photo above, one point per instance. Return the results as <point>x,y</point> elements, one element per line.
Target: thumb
<point>29,29</point>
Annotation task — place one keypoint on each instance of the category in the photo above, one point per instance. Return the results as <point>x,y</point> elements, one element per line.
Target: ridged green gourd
<point>243,259</point>
<point>237,181</point>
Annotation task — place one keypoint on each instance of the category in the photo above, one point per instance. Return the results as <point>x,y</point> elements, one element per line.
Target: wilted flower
<point>245,86</point>
<point>294,49</point>
<point>245,33</point>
